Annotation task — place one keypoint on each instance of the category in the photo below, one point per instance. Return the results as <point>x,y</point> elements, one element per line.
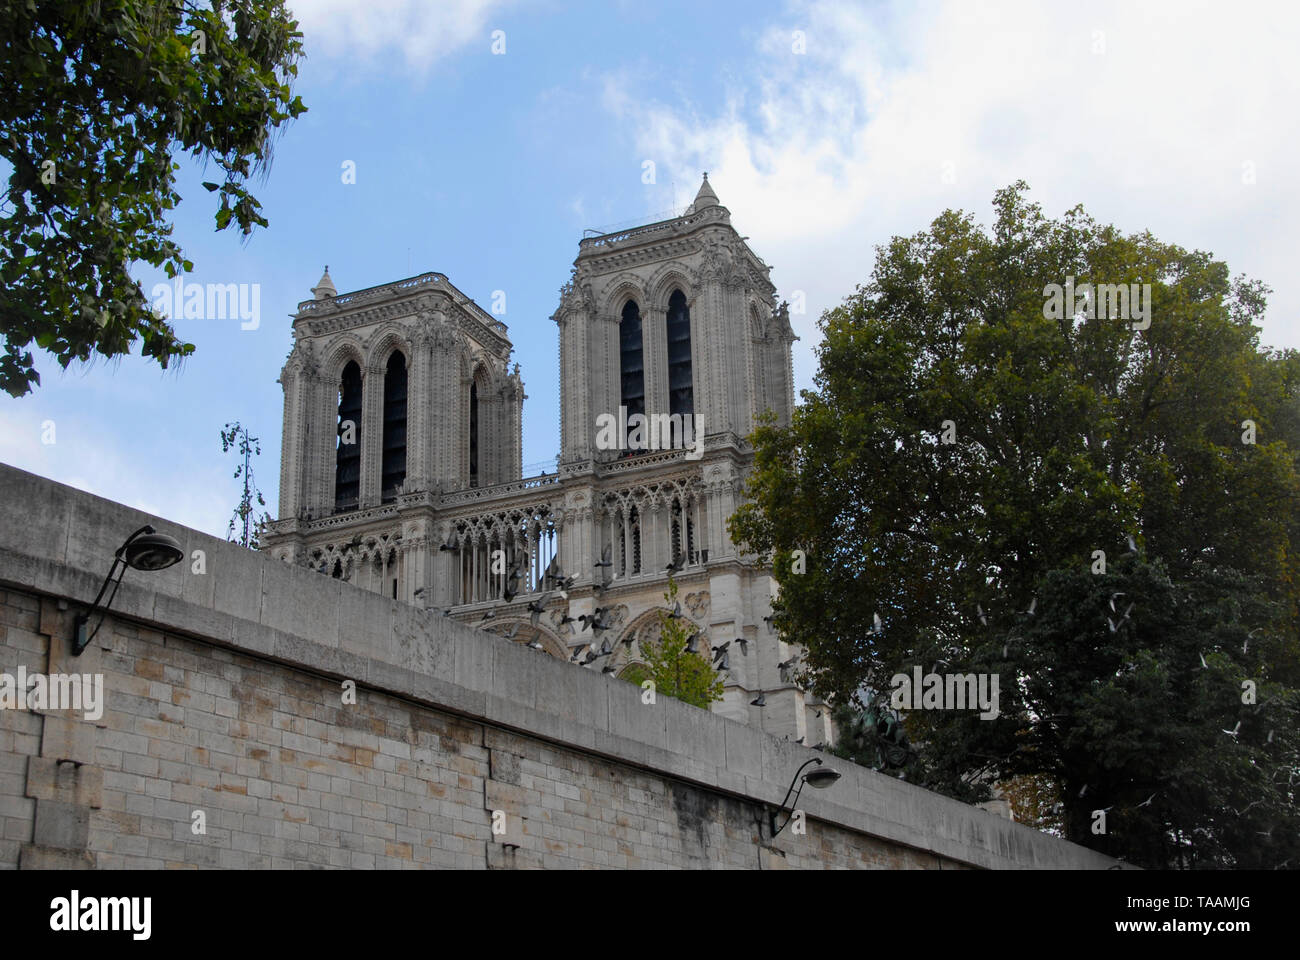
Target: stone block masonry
<point>227,697</point>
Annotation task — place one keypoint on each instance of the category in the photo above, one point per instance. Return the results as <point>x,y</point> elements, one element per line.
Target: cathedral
<point>401,467</point>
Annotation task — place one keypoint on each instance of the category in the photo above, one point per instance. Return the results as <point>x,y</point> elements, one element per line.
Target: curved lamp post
<point>819,779</point>
<point>146,549</point>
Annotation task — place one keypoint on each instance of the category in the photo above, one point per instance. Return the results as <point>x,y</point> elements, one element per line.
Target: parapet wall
<point>225,696</point>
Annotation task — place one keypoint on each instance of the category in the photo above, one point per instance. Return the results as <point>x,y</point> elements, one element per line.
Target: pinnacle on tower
<point>706,197</point>
<point>325,286</point>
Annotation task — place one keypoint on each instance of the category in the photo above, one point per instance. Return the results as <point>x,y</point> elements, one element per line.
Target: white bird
<point>1116,624</point>
<point>1204,665</point>
<point>980,610</point>
<point>1234,731</point>
<point>1246,643</point>
<point>1033,604</point>
<point>1147,801</point>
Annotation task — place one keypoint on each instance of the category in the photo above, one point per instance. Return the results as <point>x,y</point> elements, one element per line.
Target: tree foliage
<point>675,670</point>
<point>1069,436</point>
<point>99,98</point>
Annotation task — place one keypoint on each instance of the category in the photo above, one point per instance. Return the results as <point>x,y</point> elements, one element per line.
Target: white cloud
<point>421,31</point>
<point>820,156</point>
<point>86,457</point>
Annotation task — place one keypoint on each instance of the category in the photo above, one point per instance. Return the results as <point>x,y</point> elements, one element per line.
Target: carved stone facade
<point>612,519</point>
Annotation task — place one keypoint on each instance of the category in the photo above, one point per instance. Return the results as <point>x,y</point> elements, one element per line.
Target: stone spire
<point>325,287</point>
<point>706,197</point>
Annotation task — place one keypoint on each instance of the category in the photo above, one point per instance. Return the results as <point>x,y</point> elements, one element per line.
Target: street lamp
<point>147,550</point>
<point>819,779</point>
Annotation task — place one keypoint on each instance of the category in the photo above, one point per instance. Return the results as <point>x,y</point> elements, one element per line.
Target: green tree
<point>99,98</point>
<point>963,459</point>
<point>675,670</point>
<point>246,521</point>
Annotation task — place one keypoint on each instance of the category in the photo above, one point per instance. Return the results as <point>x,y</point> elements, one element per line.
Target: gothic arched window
<point>473,434</point>
<point>632,558</point>
<point>394,469</point>
<point>631,365</point>
<point>681,392</point>
<point>347,458</point>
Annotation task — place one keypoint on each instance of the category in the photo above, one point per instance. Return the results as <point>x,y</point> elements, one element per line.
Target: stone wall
<point>224,694</point>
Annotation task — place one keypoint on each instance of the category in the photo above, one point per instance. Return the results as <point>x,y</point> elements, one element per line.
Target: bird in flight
<point>1246,643</point>
<point>1116,624</point>
<point>536,607</point>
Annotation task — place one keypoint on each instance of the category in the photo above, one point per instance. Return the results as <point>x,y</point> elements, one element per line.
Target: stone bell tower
<point>393,395</point>
<point>674,319</point>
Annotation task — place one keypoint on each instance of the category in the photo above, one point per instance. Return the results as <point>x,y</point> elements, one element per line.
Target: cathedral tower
<point>667,320</point>
<point>392,396</point>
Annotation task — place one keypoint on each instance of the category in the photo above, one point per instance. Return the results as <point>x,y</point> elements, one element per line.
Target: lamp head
<point>822,777</point>
<point>152,551</point>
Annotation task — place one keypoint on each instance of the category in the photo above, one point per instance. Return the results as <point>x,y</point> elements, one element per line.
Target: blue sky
<point>826,127</point>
